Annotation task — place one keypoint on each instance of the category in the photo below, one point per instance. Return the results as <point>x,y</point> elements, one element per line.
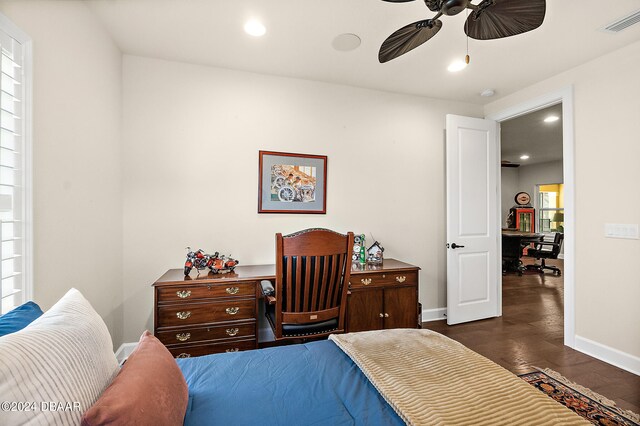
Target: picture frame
<point>292,183</point>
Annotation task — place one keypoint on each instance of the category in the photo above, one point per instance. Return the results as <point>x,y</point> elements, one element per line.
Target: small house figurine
<point>374,253</point>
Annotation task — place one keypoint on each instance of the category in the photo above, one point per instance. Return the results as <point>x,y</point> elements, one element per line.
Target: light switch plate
<point>621,230</point>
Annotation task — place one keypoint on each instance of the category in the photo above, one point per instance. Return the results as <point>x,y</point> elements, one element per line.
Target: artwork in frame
<point>292,183</point>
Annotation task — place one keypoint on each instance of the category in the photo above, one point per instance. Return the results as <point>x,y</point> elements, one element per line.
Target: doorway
<point>532,210</point>
<point>565,98</point>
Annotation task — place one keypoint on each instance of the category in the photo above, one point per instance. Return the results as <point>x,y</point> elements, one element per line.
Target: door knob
<point>455,246</point>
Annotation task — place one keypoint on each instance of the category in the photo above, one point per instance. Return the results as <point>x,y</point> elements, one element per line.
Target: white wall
<point>538,174</point>
<point>509,188</point>
<point>607,125</point>
<point>192,136</point>
<point>76,155</point>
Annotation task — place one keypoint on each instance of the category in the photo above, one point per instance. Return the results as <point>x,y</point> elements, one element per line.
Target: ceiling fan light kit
<point>488,20</point>
<point>457,66</point>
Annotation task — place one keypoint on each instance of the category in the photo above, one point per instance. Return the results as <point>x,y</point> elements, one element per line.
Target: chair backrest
<point>557,244</point>
<point>312,276</point>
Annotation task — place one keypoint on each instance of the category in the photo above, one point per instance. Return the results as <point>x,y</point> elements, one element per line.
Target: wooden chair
<point>312,279</point>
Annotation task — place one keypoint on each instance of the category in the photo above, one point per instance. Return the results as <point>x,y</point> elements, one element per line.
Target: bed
<point>389,377</point>
<point>314,383</point>
<point>60,369</point>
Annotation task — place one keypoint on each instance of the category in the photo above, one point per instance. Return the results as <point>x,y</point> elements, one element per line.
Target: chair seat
<point>295,330</point>
<point>539,254</point>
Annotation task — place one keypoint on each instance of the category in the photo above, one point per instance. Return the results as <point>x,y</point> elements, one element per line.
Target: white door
<point>473,263</point>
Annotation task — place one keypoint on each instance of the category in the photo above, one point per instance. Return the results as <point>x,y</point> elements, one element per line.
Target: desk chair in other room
<point>548,248</point>
<point>312,279</point>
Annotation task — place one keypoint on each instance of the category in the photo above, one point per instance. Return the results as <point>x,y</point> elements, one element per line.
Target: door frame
<point>564,96</point>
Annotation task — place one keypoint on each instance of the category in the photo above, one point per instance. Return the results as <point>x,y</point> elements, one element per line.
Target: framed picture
<point>292,183</point>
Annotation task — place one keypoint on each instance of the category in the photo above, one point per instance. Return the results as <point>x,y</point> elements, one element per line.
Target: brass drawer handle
<point>232,311</point>
<point>233,290</point>
<point>183,337</point>
<point>232,331</point>
<point>183,294</point>
<point>183,315</point>
<point>366,281</point>
<point>401,279</point>
<point>232,350</point>
<point>386,315</point>
<point>184,355</point>
<point>381,315</point>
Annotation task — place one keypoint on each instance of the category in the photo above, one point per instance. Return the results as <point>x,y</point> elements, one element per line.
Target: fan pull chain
<point>467,58</point>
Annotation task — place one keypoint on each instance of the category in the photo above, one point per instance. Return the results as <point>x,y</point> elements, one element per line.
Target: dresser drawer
<point>186,293</point>
<point>198,334</point>
<point>188,351</point>
<point>384,279</point>
<point>203,313</point>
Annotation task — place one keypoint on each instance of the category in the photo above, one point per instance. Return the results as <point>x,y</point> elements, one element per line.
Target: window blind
<point>14,289</point>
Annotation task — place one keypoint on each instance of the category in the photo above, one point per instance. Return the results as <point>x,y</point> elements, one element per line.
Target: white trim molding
<point>608,354</point>
<point>434,314</point>
<point>564,96</point>
<point>124,351</point>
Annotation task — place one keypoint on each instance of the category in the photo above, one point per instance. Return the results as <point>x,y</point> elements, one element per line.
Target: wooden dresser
<point>384,296</point>
<point>211,313</point>
<point>208,313</point>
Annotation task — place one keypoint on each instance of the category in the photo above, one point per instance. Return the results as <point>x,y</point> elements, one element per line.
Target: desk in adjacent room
<point>210,313</point>
<point>513,242</point>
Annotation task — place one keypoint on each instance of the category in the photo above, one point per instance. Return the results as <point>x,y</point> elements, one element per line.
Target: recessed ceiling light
<point>524,157</point>
<point>254,28</point>
<point>551,119</point>
<point>487,93</point>
<point>457,65</point>
<point>346,42</point>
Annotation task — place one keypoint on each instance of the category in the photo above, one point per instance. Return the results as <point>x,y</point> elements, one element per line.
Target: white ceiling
<point>300,32</point>
<point>530,135</point>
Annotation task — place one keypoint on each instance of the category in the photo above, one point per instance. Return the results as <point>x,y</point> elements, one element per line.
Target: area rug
<point>583,401</point>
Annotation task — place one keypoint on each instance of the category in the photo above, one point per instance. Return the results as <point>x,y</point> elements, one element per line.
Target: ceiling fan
<point>505,163</point>
<point>489,19</point>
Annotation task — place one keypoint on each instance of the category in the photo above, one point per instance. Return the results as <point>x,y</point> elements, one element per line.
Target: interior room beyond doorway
<point>532,195</point>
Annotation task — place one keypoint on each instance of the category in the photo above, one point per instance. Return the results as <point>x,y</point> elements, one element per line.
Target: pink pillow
<point>149,389</point>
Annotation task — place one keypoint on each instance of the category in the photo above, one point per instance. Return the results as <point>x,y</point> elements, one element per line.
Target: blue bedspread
<point>311,384</point>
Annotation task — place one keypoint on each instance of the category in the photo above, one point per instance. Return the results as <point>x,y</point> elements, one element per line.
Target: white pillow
<point>53,370</point>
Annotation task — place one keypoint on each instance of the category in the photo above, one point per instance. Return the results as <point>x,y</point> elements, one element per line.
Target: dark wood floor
<point>530,333</point>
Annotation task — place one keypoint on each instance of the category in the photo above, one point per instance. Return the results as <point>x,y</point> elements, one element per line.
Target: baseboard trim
<point>434,314</point>
<point>608,354</point>
<point>124,351</point>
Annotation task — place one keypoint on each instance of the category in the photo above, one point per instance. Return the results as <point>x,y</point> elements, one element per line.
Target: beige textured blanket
<point>430,379</point>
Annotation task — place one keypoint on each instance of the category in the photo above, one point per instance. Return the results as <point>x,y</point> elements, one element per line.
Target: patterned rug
<point>583,401</point>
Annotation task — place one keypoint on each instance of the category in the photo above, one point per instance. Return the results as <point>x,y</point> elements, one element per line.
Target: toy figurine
<point>216,263</point>
<point>198,259</point>
<point>223,264</point>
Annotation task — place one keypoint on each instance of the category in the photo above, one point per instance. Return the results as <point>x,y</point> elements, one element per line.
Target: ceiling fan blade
<point>408,38</point>
<point>504,18</point>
